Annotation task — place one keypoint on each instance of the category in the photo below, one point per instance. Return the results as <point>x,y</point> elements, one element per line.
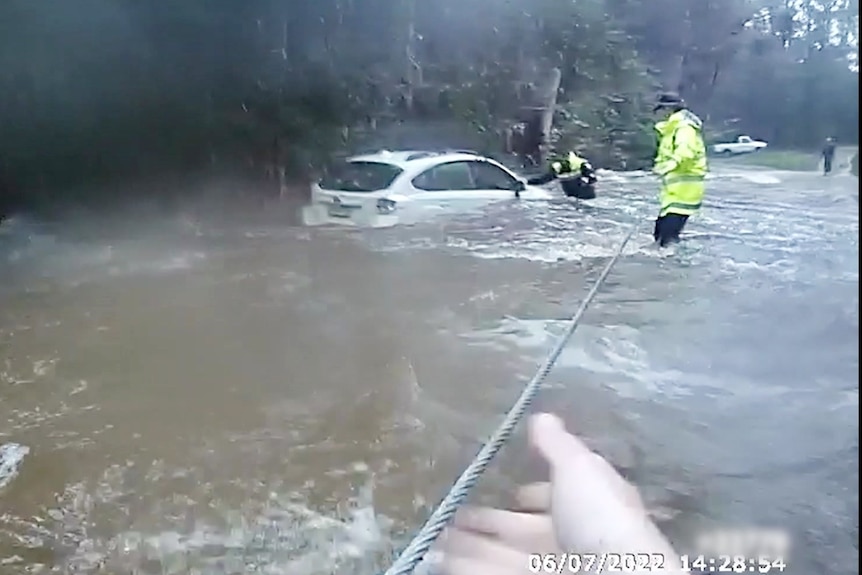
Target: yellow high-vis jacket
<point>681,163</point>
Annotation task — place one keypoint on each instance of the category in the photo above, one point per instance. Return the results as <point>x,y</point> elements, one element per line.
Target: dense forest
<point>100,90</point>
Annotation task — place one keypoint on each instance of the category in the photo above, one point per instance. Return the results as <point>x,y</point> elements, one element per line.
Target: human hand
<point>586,508</point>
<point>488,541</point>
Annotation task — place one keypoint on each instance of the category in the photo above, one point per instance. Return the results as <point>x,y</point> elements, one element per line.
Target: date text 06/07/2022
<point>645,562</point>
<point>595,562</point>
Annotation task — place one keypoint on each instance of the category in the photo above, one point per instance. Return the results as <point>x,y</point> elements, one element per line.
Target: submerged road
<point>205,393</point>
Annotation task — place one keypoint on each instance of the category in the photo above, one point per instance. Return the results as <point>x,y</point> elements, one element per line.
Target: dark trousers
<point>668,227</point>
<point>578,187</point>
<point>827,164</point>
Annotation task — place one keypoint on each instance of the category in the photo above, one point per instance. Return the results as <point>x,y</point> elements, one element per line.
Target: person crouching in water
<point>680,162</point>
<point>577,177</point>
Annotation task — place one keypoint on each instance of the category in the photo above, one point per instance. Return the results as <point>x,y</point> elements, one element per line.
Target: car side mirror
<point>519,187</point>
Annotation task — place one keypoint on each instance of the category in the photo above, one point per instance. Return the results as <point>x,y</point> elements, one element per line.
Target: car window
<point>360,176</point>
<point>490,177</point>
<point>443,177</point>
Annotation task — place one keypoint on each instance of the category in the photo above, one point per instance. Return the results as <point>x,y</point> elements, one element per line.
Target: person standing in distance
<point>681,164</point>
<point>828,154</point>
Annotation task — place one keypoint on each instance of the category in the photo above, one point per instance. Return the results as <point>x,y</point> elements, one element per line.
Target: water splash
<point>11,457</point>
<point>281,534</point>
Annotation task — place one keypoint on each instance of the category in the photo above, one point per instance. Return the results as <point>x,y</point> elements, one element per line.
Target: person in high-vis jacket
<point>681,164</point>
<point>577,177</point>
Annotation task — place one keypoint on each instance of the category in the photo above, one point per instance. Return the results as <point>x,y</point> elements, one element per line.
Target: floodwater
<point>229,393</point>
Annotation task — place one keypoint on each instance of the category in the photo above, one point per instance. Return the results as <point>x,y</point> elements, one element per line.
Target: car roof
<point>416,159</point>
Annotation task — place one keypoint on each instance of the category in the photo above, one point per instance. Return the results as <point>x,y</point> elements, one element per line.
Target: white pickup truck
<point>742,145</point>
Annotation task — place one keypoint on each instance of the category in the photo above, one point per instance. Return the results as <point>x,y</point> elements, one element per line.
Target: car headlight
<point>385,206</point>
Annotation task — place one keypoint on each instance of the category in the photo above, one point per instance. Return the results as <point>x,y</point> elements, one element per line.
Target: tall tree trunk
<point>413,73</point>
<point>541,117</point>
<point>549,103</point>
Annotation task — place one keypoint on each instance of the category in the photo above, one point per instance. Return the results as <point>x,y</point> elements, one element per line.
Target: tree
<point>116,88</point>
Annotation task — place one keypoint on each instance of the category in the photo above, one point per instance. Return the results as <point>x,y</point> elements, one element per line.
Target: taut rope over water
<point>413,554</point>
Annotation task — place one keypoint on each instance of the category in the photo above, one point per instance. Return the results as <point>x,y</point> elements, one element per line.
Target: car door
<point>464,183</point>
<point>492,182</point>
<point>443,183</point>
<point>495,182</point>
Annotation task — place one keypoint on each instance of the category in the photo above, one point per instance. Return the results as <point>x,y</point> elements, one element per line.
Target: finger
<point>549,437</point>
<point>627,492</point>
<point>534,497</point>
<point>616,483</point>
<point>525,531</point>
<point>471,566</point>
<point>486,520</point>
<point>593,507</point>
<point>460,544</point>
<point>560,448</point>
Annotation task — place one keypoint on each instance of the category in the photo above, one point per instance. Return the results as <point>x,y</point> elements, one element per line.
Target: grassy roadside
<point>794,160</point>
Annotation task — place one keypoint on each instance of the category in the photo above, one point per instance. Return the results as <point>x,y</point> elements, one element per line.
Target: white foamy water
<point>11,457</point>
<point>231,398</point>
<point>278,535</point>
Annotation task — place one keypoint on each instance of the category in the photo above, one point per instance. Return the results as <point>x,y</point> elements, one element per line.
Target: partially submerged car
<point>390,187</point>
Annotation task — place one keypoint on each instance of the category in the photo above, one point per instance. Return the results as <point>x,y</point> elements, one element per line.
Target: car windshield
<point>360,176</point>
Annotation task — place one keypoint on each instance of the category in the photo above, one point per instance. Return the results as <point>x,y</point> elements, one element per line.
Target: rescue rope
<point>413,554</point>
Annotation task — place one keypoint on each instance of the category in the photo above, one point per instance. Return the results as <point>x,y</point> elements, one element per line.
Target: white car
<point>742,145</point>
<point>390,187</point>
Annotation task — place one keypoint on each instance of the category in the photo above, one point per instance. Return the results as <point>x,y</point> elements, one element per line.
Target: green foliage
<point>121,89</point>
<point>613,131</point>
<point>793,83</point>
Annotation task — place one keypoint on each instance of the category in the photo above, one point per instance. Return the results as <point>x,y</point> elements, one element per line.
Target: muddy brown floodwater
<point>231,393</point>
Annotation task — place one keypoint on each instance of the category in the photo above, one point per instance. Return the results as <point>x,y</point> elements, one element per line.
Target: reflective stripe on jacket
<point>570,164</point>
<point>681,163</point>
